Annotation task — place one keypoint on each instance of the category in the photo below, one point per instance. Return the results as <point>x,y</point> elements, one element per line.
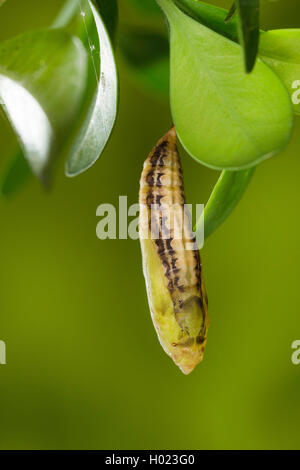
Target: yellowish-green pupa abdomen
<point>171,259</point>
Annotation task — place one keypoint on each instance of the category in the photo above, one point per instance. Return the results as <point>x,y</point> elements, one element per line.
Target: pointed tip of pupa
<point>170,135</point>
<point>187,367</point>
<point>188,358</point>
<point>172,132</point>
<point>186,370</point>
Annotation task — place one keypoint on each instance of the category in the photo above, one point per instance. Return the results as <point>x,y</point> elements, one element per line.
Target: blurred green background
<point>84,367</point>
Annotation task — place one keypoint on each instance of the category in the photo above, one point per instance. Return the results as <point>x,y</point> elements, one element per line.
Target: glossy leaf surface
<point>102,112</point>
<point>32,90</point>
<point>279,49</point>
<point>218,98</point>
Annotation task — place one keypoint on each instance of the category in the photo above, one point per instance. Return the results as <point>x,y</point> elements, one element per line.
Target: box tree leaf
<point>42,94</point>
<point>224,118</point>
<point>101,114</point>
<point>278,48</point>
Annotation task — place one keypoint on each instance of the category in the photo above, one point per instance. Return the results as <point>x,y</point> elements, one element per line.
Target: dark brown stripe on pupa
<point>164,160</point>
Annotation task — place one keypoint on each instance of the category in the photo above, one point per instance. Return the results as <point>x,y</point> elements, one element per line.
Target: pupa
<point>171,258</point>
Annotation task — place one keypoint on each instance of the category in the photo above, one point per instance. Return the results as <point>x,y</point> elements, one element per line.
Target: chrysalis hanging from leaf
<point>171,259</point>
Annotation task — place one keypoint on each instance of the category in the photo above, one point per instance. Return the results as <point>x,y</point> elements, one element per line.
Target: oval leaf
<point>279,49</point>
<point>18,172</point>
<point>224,118</point>
<point>101,116</point>
<point>32,91</point>
<point>78,19</point>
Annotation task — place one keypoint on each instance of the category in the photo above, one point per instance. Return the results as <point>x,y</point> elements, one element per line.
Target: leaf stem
<point>226,194</point>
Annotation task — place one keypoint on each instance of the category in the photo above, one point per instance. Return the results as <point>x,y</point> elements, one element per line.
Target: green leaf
<point>32,91</point>
<point>210,16</point>
<point>71,18</point>
<point>17,173</point>
<point>77,17</point>
<point>225,196</point>
<point>101,115</point>
<point>222,115</point>
<point>147,56</point>
<point>280,49</point>
<point>19,104</point>
<point>249,30</point>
